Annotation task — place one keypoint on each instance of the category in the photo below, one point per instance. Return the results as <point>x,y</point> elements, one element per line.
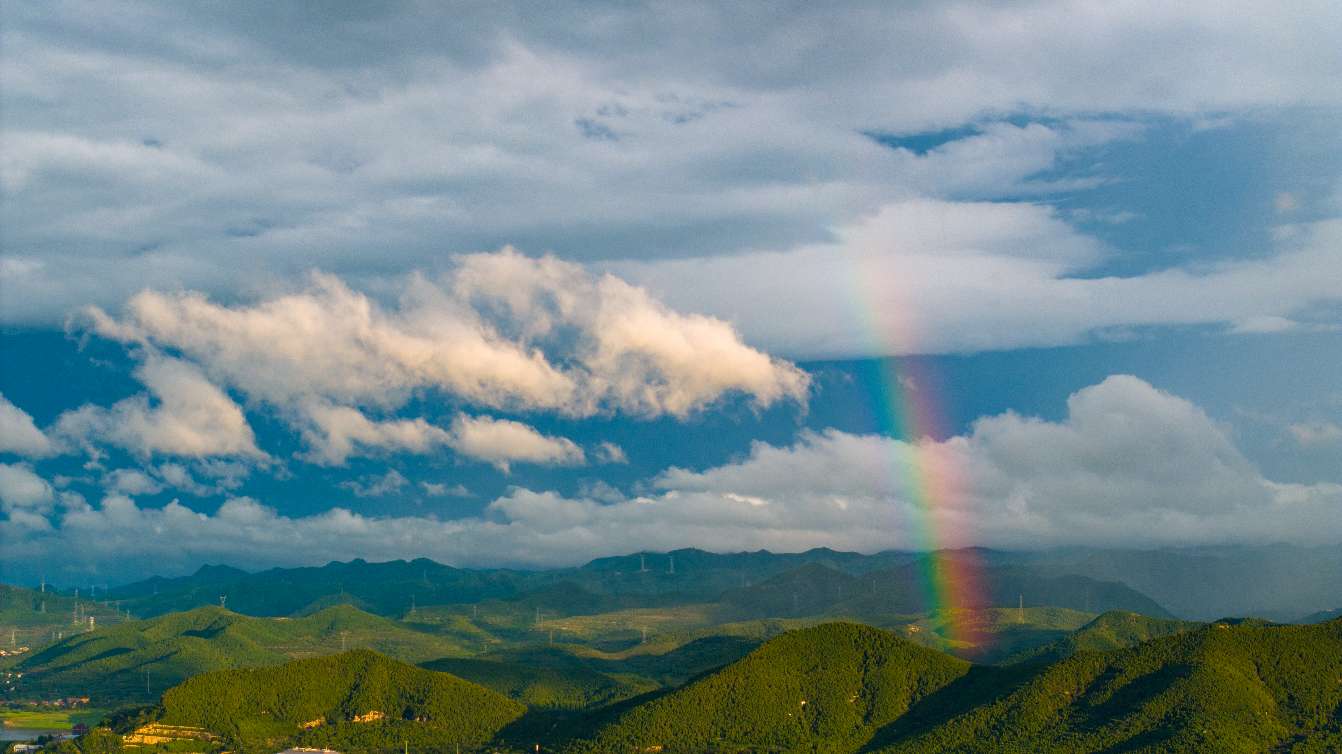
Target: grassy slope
<point>256,706</point>
<point>110,663</point>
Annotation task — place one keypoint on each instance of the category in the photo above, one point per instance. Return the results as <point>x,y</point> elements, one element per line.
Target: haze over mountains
<point>1278,582</point>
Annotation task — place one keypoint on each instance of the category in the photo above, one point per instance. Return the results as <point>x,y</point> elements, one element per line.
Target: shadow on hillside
<point>983,684</point>
<point>553,728</point>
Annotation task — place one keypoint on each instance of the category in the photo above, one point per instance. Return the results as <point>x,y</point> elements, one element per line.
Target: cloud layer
<point>925,276</point>
<point>1129,465</point>
<point>235,155</point>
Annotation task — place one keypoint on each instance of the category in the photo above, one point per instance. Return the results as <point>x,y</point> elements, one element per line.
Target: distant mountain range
<point>1277,582</point>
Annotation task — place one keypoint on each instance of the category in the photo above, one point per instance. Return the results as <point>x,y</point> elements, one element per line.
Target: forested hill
<point>1242,687</point>
<point>354,701</point>
<point>833,686</point>
<point>1247,687</point>
<point>1113,630</point>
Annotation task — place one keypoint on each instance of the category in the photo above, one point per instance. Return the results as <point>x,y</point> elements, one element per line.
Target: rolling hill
<point>111,663</point>
<point>833,685</point>
<point>353,701</point>
<point>1245,686</point>
<point>1250,687</point>
<point>32,618</point>
<point>557,680</point>
<point>1112,630</point>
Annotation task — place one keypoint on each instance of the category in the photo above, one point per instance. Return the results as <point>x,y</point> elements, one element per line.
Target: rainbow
<point>907,406</point>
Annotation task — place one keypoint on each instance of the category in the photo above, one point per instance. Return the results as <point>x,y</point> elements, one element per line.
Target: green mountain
<point>832,686</point>
<point>136,660</point>
<point>1250,687</point>
<point>1113,630</point>
<point>353,701</point>
<point>557,680</point>
<point>572,678</point>
<point>1244,686</point>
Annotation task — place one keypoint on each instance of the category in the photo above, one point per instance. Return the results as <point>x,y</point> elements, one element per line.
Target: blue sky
<point>281,286</point>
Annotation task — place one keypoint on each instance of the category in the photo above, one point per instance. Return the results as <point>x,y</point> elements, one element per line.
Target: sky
<point>527,284</point>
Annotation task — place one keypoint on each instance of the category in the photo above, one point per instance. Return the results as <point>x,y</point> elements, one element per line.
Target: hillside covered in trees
<point>354,701</point>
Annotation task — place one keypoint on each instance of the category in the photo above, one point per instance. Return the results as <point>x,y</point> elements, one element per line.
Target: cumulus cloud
<point>609,452</point>
<point>503,331</point>
<point>634,352</point>
<point>377,486</point>
<point>131,482</point>
<point>189,416</point>
<point>18,433</point>
<point>22,489</point>
<point>1128,465</point>
<point>336,432</point>
<point>441,489</point>
<point>222,475</point>
<point>503,442</point>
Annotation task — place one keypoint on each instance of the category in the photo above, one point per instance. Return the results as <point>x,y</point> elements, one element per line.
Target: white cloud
<point>337,432</point>
<point>561,340</point>
<point>502,442</point>
<point>1316,433</point>
<point>1129,465</point>
<point>19,435</point>
<point>22,489</point>
<point>189,417</point>
<point>635,353</point>
<point>502,331</point>
<point>440,489</point>
<point>609,452</point>
<point>377,486</point>
<point>223,475</point>
<point>187,166</point>
<point>934,277</point>
<point>131,482</point>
